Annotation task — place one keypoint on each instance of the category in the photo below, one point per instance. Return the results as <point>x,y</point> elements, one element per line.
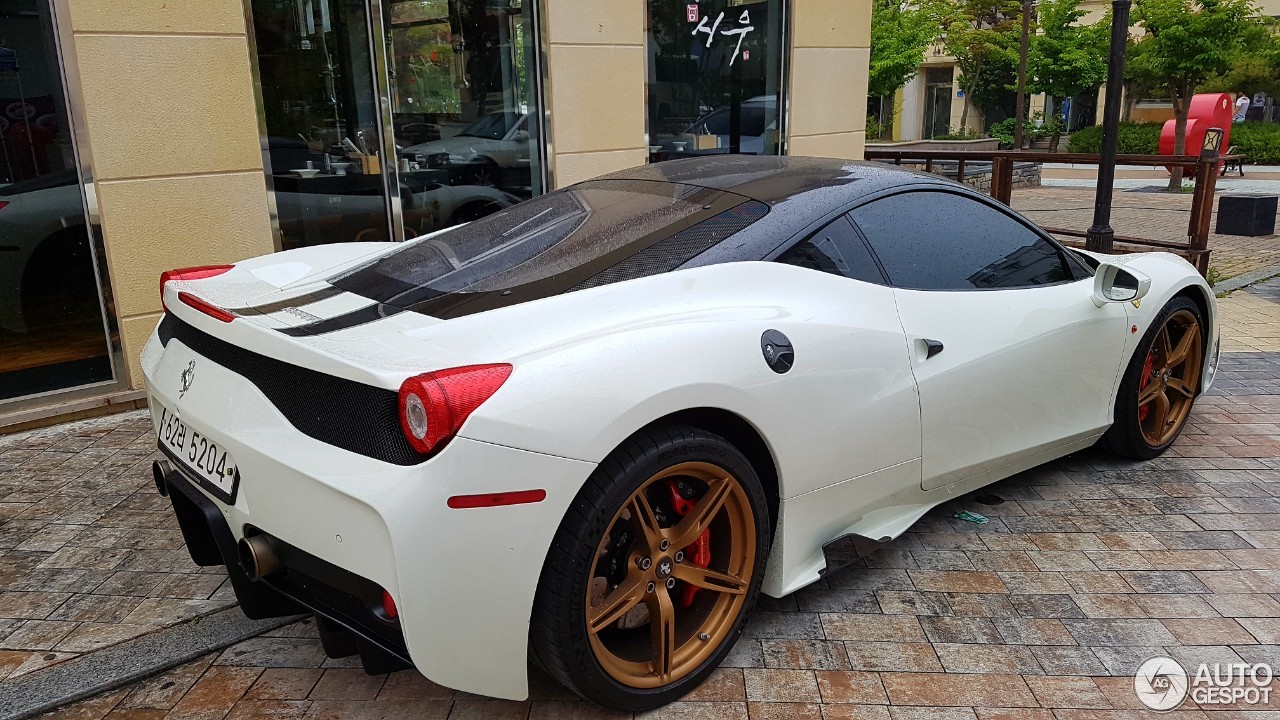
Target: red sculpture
<point>1208,110</point>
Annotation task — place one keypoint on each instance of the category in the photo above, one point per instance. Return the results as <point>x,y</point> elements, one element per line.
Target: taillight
<point>191,273</point>
<point>212,311</point>
<point>389,605</point>
<point>434,406</point>
<point>2,204</point>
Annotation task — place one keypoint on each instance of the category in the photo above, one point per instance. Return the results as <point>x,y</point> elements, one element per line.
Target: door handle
<point>932,347</point>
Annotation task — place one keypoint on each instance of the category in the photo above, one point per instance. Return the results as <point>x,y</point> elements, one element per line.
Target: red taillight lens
<point>2,204</point>
<point>434,406</point>
<point>389,605</point>
<point>212,311</point>
<point>191,273</point>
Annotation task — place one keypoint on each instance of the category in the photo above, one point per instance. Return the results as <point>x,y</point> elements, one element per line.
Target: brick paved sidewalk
<point>1154,216</point>
<point>1088,566</point>
<point>90,554</point>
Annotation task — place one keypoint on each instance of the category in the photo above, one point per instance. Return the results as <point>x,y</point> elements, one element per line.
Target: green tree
<point>983,36</point>
<point>1256,65</point>
<point>901,32</point>
<point>1185,43</point>
<point>1066,58</point>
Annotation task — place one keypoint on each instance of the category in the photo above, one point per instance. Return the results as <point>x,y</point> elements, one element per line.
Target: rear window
<point>562,241</point>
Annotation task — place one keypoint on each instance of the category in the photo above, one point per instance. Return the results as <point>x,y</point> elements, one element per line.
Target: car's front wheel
<point>1160,385</point>
<point>652,572</point>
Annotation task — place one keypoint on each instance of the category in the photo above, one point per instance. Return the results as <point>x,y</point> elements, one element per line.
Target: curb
<point>118,665</point>
<point>1239,281</point>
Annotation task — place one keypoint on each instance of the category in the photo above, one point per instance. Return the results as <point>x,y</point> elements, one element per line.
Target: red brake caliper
<point>699,553</point>
<point>1146,378</point>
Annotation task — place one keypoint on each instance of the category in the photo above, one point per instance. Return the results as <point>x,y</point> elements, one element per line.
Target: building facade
<point>145,135</point>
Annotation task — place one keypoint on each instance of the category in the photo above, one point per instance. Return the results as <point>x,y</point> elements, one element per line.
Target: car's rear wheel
<point>653,570</point>
<point>1160,385</point>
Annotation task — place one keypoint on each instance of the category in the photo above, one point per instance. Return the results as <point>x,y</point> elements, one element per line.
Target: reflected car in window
<point>492,144</point>
<point>592,427</point>
<point>41,221</point>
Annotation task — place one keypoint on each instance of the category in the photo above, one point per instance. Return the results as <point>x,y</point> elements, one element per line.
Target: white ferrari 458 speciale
<point>589,429</point>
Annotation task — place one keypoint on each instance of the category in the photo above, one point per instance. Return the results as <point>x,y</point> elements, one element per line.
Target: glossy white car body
<point>866,434</point>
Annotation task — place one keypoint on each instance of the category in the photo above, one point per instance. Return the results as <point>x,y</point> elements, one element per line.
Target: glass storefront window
<point>315,64</point>
<point>460,83</point>
<point>714,77</point>
<point>52,330</point>
<point>464,107</point>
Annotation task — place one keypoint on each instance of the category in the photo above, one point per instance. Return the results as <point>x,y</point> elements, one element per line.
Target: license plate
<point>201,458</point>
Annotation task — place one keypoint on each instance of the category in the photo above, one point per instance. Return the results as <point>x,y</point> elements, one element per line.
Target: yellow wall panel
<point>597,98</point>
<point>158,16</point>
<point>134,332</point>
<point>156,225</point>
<point>832,23</point>
<point>607,22</point>
<point>164,105</point>
<point>576,167</point>
<point>848,146</point>
<point>828,90</point>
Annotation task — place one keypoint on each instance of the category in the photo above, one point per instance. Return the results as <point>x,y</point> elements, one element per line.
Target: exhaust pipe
<point>258,557</point>
<point>160,470</point>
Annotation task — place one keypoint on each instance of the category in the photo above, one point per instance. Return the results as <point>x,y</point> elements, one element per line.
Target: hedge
<point>1258,141</point>
<point>1135,139</point>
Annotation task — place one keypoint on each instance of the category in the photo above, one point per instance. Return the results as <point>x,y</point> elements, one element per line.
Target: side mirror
<point>1115,283</point>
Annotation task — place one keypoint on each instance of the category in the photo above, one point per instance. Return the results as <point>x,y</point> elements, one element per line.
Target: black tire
<point>1125,437</point>
<point>487,173</point>
<point>559,641</point>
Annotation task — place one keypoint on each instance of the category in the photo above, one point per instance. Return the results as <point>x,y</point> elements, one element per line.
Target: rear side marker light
<point>434,406</point>
<point>191,273</point>
<point>211,310</point>
<point>521,497</point>
<point>389,605</point>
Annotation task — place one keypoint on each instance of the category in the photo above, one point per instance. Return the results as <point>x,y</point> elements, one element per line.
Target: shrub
<point>1003,131</point>
<point>1134,139</point>
<point>1258,141</point>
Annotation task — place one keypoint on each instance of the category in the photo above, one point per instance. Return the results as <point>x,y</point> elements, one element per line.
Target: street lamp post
<point>1101,235</point>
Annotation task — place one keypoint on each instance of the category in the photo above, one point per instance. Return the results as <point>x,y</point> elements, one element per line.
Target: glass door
<point>325,161</point>
<point>53,332</point>
<point>464,108</point>
<point>937,101</point>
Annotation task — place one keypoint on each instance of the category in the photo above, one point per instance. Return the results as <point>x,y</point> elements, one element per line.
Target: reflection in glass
<point>714,77</point>
<point>321,120</point>
<point>462,93</point>
<point>52,333</point>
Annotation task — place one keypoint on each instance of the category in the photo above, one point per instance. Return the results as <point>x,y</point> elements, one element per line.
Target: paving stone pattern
<point>90,554</point>
<point>1088,566</point>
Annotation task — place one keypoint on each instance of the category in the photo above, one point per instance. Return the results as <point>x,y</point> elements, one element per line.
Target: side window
<point>835,249</point>
<point>945,241</point>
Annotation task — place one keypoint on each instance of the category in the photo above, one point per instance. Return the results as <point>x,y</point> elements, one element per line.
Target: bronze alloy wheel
<point>1170,378</point>
<point>671,575</point>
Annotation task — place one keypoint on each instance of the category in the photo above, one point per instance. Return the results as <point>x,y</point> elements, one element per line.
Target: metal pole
<point>1101,235</point>
<point>1020,113</point>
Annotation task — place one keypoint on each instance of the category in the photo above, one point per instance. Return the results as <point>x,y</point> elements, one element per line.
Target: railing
<point>1196,247</point>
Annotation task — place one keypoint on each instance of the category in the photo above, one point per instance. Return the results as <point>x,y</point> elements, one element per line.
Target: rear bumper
<point>343,603</point>
<point>463,580</point>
